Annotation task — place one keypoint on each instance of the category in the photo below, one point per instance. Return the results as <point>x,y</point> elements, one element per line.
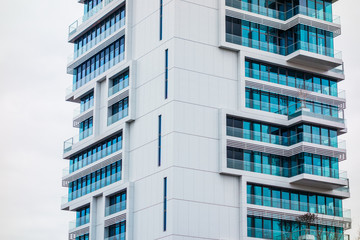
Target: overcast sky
<point>35,119</point>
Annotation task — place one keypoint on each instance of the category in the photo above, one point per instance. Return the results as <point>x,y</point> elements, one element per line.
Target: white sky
<point>35,119</point>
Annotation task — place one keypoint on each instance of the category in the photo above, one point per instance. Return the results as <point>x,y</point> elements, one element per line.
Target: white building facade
<point>206,119</point>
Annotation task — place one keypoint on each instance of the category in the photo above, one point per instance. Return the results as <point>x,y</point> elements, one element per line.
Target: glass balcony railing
<point>281,79</point>
<point>285,141</point>
<point>118,116</point>
<point>338,70</point>
<point>298,206</point>
<point>325,112</point>
<point>79,222</point>
<point>265,11</point>
<point>286,172</point>
<point>83,107</point>
<point>121,236</point>
<point>118,207</point>
<point>92,187</point>
<point>295,234</point>
<point>273,48</point>
<point>96,40</point>
<point>118,87</point>
<point>92,158</point>
<point>100,70</point>
<point>81,136</point>
<point>74,26</point>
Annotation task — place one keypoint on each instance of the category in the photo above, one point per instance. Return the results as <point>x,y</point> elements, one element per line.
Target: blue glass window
<point>159,139</point>
<point>117,231</point>
<point>119,83</point>
<point>161,19</point>
<point>166,72</point>
<point>165,204</point>
<point>118,111</point>
<point>92,182</point>
<point>84,73</point>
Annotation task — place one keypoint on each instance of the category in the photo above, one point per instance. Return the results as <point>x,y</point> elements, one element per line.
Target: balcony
<point>96,41</point>
<point>91,159</point>
<point>118,87</point>
<point>83,112</point>
<point>300,109</point>
<point>285,146</point>
<point>95,73</point>
<point>313,55</point>
<point>308,88</point>
<point>299,206</point>
<point>314,179</point>
<point>68,144</point>
<point>306,112</point>
<point>329,174</point>
<point>118,116</point>
<point>304,53</point>
<point>91,188</point>
<point>118,207</point>
<point>285,141</point>
<point>292,215</point>
<point>285,20</point>
<point>75,25</point>
<point>73,225</point>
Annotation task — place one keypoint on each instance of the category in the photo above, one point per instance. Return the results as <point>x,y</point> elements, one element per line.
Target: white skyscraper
<point>206,119</point>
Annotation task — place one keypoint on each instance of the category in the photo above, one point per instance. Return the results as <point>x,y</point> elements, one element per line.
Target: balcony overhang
<point>318,181</point>
<point>314,60</point>
<point>281,24</point>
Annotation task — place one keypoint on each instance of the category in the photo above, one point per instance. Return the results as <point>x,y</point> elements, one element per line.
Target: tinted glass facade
<point>270,228</point>
<point>285,105</point>
<point>300,37</point>
<point>100,63</point>
<point>294,200</point>
<point>289,77</point>
<point>92,154</point>
<point>287,9</point>
<point>282,166</point>
<point>282,136</point>
<point>95,180</point>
